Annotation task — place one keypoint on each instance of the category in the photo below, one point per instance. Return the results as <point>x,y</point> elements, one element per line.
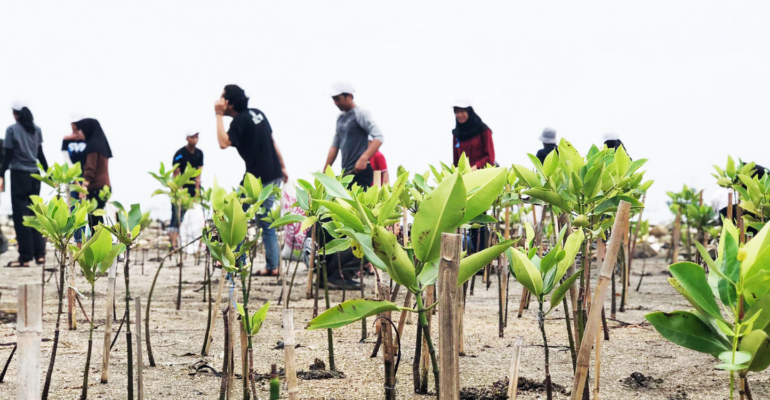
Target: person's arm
<point>6,161</point>
<point>331,157</point>
<point>41,157</point>
<point>385,178</point>
<point>198,179</point>
<point>89,172</point>
<point>455,150</point>
<point>222,137</point>
<point>280,160</point>
<point>365,121</point>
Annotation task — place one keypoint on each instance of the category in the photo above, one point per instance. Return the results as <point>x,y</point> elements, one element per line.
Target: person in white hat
<point>357,137</point>
<point>548,137</point>
<point>471,136</point>
<point>23,150</point>
<point>612,141</point>
<point>192,157</point>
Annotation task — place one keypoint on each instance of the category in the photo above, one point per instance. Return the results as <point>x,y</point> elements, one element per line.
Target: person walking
<point>612,141</point>
<point>74,148</point>
<point>357,137</point>
<point>378,163</point>
<point>250,133</point>
<point>192,156</point>
<point>96,172</point>
<point>548,137</point>
<point>23,150</point>
<point>471,136</point>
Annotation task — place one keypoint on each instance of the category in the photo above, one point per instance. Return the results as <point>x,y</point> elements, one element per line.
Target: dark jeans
<point>81,231</point>
<point>31,243</point>
<point>174,220</point>
<point>93,220</point>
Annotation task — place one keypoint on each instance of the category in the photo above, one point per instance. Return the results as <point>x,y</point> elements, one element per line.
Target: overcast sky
<point>683,83</point>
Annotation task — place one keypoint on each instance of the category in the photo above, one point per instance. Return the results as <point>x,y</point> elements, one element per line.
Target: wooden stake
<point>108,322</point>
<point>244,358</point>
<point>217,303</point>
<point>311,266</point>
<point>387,345</point>
<point>29,332</point>
<point>72,314</point>
<point>513,382</point>
<point>139,380</point>
<point>404,314</point>
<point>232,319</point>
<point>223,389</point>
<point>730,206</point>
<point>377,179</point>
<point>598,363</point>
<point>594,318</point>
<point>290,362</point>
<point>449,297</point>
<point>675,236</point>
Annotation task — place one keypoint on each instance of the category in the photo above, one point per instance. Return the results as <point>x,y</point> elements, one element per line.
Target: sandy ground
<point>178,335</point>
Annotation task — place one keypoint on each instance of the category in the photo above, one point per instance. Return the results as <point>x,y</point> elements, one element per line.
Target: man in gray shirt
<point>357,136</point>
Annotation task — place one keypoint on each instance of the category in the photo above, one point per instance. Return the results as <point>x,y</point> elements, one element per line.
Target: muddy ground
<point>636,361</point>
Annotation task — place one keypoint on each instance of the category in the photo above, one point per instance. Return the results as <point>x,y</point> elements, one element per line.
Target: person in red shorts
<point>378,164</point>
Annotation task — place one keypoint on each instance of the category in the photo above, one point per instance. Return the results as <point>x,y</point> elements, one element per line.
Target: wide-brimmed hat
<point>548,136</point>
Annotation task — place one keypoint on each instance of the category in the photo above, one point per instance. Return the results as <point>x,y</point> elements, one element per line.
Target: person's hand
<point>2,184</point>
<point>220,106</point>
<point>285,174</point>
<point>360,164</point>
<point>82,196</point>
<point>473,168</point>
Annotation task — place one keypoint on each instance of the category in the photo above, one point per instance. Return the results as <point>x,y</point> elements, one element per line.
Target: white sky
<point>684,83</point>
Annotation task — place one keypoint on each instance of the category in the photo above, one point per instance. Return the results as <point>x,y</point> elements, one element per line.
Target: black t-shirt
<point>182,157</point>
<point>76,150</point>
<point>251,135</point>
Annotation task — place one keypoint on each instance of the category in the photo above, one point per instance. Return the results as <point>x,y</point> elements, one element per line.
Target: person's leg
<point>19,200</point>
<point>173,228</point>
<point>93,220</point>
<point>269,237</point>
<point>38,243</point>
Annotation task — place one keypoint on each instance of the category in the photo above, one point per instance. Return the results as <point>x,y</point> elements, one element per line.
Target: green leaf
<point>571,249</point>
<point>349,312</point>
<point>307,223</point>
<point>687,330</point>
<point>550,197</point>
<point>343,214</point>
<point>333,186</point>
<point>741,357</point>
<point>390,204</point>
<point>731,367</point>
<point>337,245</point>
<point>472,264</point>
<point>761,307</point>
<point>731,269</point>
<point>692,279</point>
<point>232,230</point>
<point>526,273</point>
<point>397,261</point>
<point>562,290</point>
<point>429,273</point>
<point>288,219</point>
<point>528,176</point>
<point>258,318</point>
<point>483,187</point>
<point>611,205</point>
<point>441,211</point>
<point>134,216</point>
<point>757,344</point>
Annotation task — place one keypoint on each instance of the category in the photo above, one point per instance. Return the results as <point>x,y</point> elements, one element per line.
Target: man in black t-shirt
<point>74,148</point>
<point>192,155</point>
<point>250,133</point>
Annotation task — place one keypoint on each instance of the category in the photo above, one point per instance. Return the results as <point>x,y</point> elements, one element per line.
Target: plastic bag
<point>293,237</point>
<point>192,225</point>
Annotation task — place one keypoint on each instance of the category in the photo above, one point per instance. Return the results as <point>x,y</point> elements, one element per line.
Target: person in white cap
<point>357,137</point>
<point>548,137</point>
<point>187,156</point>
<point>471,136</point>
<point>23,150</point>
<point>612,141</point>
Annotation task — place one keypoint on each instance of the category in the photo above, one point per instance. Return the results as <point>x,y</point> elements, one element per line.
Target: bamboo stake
<point>513,383</point>
<point>311,267</point>
<point>71,311</point>
<point>290,362</point>
<point>730,206</point>
<point>598,363</point>
<point>139,380</point>
<point>449,297</point>
<point>220,289</point>
<point>677,234</point>
<point>108,322</point>
<point>594,317</point>
<point>244,360</point>
<point>377,178</point>
<point>29,331</point>
<point>387,346</point>
<point>232,319</point>
<point>223,388</point>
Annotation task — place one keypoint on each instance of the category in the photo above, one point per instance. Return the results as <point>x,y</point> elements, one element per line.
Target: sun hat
<point>190,132</point>
<point>548,136</point>
<point>610,136</point>
<point>341,87</point>
<point>462,102</point>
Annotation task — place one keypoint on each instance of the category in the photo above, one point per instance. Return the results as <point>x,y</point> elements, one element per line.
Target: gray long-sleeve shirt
<point>25,147</point>
<point>355,128</point>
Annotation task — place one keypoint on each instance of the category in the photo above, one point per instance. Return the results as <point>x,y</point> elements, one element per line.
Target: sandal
<point>40,260</point>
<point>266,272</point>
<point>17,264</point>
